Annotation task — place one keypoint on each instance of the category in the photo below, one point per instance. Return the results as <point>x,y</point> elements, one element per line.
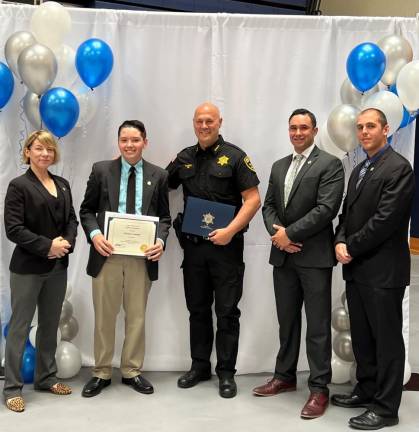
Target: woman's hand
<point>59,248</point>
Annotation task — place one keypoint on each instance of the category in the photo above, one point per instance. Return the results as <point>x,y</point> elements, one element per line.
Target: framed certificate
<point>130,234</point>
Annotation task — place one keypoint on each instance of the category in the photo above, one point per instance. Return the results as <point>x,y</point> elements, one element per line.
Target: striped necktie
<point>291,178</point>
<point>363,171</point>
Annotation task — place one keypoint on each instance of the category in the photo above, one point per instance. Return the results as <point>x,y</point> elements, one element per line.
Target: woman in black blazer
<point>39,217</point>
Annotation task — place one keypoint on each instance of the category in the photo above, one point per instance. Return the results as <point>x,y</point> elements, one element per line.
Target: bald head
<point>207,122</point>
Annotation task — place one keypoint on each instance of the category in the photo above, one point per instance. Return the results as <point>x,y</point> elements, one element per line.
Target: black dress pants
<point>214,273</point>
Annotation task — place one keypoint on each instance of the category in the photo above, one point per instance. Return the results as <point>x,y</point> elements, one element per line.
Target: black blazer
<point>31,223</point>
<point>102,194</point>
<point>313,203</point>
<point>375,220</point>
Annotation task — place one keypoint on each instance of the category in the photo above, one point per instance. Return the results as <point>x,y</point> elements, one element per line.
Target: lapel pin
<point>63,188</point>
<point>149,183</point>
<point>372,169</point>
<point>308,162</point>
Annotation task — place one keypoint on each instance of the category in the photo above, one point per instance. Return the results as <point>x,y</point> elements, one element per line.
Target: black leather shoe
<point>139,384</point>
<point>369,420</point>
<point>95,386</point>
<point>192,378</point>
<point>227,387</point>
<point>350,401</point>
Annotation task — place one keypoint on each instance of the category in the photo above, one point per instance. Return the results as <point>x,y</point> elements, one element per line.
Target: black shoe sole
<point>358,405</point>
<point>367,427</point>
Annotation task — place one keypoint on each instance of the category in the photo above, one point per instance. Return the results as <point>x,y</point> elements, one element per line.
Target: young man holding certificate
<point>131,187</point>
<point>213,171</point>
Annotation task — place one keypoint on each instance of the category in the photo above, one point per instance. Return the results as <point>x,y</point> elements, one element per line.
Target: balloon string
<point>22,134</point>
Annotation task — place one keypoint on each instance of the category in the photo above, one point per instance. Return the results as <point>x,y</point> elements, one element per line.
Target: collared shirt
<point>377,155</point>
<point>306,153</point>
<point>125,168</point>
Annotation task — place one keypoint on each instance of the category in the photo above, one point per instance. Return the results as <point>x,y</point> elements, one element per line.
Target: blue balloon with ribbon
<point>59,110</point>
<point>365,66</point>
<point>27,369</point>
<point>94,62</point>
<point>7,84</point>
<point>407,116</point>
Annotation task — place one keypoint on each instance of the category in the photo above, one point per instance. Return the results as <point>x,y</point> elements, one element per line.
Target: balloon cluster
<point>67,356</point>
<point>49,69</point>
<point>343,366</point>
<point>388,61</point>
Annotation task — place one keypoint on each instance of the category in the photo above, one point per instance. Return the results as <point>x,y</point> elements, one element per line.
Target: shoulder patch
<point>188,166</point>
<point>249,165</point>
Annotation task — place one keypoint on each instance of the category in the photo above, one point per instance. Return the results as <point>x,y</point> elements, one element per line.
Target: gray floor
<point>199,409</point>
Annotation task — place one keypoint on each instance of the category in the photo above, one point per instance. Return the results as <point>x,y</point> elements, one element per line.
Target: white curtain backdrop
<point>257,69</point>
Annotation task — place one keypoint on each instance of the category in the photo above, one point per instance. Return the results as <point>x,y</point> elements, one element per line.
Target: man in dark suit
<point>128,184</point>
<point>304,195</point>
<point>372,244</point>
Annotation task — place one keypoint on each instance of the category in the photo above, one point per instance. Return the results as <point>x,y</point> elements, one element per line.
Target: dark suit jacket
<point>374,223</point>
<point>31,223</point>
<point>102,194</point>
<point>312,205</point>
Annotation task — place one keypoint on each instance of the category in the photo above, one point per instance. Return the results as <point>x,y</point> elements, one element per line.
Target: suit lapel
<point>304,169</point>
<point>66,195</point>
<point>282,174</point>
<point>148,186</point>
<point>113,183</point>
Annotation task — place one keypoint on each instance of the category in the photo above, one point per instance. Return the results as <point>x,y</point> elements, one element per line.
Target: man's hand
<point>342,254</point>
<point>153,253</point>
<point>102,245</point>
<point>281,241</point>
<point>220,236</point>
<point>59,247</point>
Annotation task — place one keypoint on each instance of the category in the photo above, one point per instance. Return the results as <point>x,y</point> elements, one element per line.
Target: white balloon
<point>31,109</point>
<point>340,370</point>
<point>324,142</point>
<point>66,69</point>
<point>66,311</point>
<point>407,372</point>
<point>68,291</point>
<point>390,105</point>
<point>32,336</point>
<point>50,23</point>
<point>68,360</point>
<point>341,126</point>
<point>15,44</point>
<point>352,96</point>
<point>408,85</point>
<point>398,53</point>
<point>88,106</point>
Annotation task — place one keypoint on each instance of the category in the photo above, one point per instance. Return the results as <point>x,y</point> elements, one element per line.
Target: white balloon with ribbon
<point>341,126</point>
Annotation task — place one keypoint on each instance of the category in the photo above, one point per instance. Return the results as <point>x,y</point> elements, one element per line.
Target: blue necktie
<point>362,172</point>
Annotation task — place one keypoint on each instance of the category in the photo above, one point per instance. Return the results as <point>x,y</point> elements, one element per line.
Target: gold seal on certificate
<point>130,234</point>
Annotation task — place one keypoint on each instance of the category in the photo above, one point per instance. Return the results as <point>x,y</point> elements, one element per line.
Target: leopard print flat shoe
<point>60,389</point>
<point>16,404</point>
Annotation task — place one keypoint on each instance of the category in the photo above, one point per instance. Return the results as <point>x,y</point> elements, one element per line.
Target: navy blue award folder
<point>203,216</point>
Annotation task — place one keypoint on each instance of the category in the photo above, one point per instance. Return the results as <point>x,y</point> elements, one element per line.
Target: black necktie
<point>130,208</point>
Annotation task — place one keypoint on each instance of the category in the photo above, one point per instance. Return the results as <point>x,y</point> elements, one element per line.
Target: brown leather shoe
<point>274,387</point>
<point>315,406</point>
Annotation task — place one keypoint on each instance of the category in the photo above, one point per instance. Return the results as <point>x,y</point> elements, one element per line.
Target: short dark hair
<point>136,124</point>
<point>303,111</point>
<point>382,119</point>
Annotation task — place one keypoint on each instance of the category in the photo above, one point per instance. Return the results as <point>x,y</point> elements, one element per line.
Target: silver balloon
<point>15,44</point>
<point>340,319</point>
<point>398,53</point>
<point>69,329</point>
<point>342,346</point>
<point>343,298</point>
<point>341,126</point>
<point>66,312</point>
<point>37,67</point>
<point>352,96</point>
<point>68,360</point>
<point>31,109</point>
<point>340,370</point>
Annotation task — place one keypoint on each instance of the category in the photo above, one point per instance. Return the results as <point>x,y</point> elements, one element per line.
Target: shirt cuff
<point>94,233</point>
<point>161,241</point>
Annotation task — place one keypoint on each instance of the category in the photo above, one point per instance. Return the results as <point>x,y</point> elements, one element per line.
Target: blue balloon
<point>7,83</point>
<point>59,110</point>
<point>365,66</point>
<point>94,62</point>
<point>27,369</point>
<point>6,330</point>
<point>407,116</point>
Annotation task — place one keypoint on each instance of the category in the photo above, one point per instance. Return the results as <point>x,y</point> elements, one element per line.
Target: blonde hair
<point>46,139</point>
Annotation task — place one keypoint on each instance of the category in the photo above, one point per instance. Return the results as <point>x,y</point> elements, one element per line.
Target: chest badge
<point>223,160</point>
<point>149,183</point>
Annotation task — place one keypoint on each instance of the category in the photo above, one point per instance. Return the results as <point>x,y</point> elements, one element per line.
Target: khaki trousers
<point>122,280</point>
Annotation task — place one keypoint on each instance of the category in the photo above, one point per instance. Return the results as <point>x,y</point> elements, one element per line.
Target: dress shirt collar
<point>306,153</point>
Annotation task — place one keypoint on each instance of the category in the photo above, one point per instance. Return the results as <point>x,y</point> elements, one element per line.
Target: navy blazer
<point>102,194</point>
<point>31,223</point>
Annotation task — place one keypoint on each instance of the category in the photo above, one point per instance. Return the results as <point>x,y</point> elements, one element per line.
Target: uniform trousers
<point>293,286</point>
<point>123,280</point>
<point>376,329</point>
<point>28,291</point>
<point>211,273</point>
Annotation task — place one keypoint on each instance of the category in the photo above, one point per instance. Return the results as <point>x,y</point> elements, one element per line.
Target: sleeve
<point>163,210</point>
<point>172,169</point>
<point>14,222</point>
<point>269,209</point>
<point>246,177</point>
<point>70,232</point>
<point>329,198</point>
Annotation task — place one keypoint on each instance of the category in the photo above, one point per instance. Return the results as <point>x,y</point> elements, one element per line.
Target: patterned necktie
<point>362,172</point>
<point>130,205</point>
<point>291,178</point>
